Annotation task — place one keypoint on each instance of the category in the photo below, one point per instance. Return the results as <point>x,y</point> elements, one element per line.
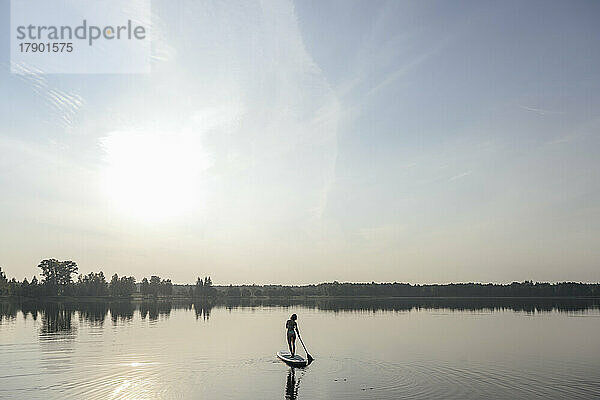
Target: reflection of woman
<point>292,327</point>
<point>291,386</point>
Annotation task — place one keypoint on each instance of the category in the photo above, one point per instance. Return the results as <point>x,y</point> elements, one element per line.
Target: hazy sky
<point>282,142</point>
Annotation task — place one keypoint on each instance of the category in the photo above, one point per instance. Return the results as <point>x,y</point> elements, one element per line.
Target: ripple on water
<point>435,380</point>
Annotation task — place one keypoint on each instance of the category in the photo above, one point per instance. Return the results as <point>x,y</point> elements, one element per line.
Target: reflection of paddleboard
<point>296,361</point>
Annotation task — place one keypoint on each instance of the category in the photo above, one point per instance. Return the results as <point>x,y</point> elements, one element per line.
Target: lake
<point>371,349</point>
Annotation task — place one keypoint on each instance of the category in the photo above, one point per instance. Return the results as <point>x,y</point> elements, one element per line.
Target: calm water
<point>412,349</point>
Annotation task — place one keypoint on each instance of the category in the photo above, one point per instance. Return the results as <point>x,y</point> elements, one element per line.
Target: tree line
<point>514,289</point>
<point>356,290</point>
<point>57,279</point>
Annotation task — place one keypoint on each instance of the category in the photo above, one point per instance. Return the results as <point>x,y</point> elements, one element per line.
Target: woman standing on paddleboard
<point>292,327</point>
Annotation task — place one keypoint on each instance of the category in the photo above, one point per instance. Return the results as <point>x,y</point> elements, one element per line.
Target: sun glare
<point>154,176</point>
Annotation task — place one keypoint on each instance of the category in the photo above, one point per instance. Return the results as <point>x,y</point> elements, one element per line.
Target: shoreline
<point>225,297</point>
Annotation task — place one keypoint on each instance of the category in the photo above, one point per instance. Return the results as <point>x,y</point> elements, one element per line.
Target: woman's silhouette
<point>292,328</point>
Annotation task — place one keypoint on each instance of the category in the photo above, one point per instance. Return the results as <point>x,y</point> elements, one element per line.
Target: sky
<point>311,141</point>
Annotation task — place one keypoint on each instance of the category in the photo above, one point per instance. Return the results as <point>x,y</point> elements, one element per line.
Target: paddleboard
<point>296,361</point>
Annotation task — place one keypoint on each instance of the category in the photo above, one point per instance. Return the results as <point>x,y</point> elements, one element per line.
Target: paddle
<point>310,359</point>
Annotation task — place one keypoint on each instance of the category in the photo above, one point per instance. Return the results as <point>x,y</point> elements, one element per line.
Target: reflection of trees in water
<point>292,385</point>
<point>529,305</point>
<point>93,313</point>
<point>56,335</point>
<point>202,310</point>
<point>144,310</point>
<point>155,309</point>
<point>8,311</point>
<point>232,303</point>
<point>29,310</point>
<point>56,320</point>
<point>56,316</point>
<point>121,311</point>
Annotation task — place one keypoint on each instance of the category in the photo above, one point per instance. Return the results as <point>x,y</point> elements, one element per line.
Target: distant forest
<point>61,278</point>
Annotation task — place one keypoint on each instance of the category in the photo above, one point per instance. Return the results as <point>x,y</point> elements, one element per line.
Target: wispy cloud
<point>459,176</point>
<point>407,67</point>
<point>63,104</point>
<point>541,111</point>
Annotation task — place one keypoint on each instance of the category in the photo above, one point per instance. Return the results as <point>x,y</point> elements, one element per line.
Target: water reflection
<point>28,310</point>
<point>529,305</point>
<point>155,309</point>
<point>122,311</point>
<point>94,313</point>
<point>8,311</point>
<point>57,317</point>
<point>56,321</point>
<point>202,310</point>
<point>291,385</point>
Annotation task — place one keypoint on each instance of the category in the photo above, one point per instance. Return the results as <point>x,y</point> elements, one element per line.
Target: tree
<point>25,288</point>
<point>56,275</point>
<point>92,284</point>
<point>209,290</point>
<point>125,286</point>
<point>99,284</point>
<point>145,287</point>
<point>166,287</point>
<point>204,287</point>
<point>113,287</point>
<point>199,289</point>
<point>34,287</point>
<point>3,282</point>
<point>14,288</point>
<point>154,285</point>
